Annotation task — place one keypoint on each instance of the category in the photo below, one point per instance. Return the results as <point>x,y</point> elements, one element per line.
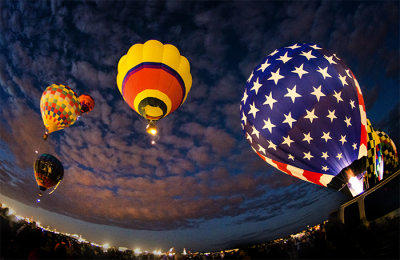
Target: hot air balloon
<point>86,102</point>
<point>48,172</point>
<point>154,79</point>
<point>389,153</point>
<point>303,112</point>
<point>375,165</point>
<point>60,108</point>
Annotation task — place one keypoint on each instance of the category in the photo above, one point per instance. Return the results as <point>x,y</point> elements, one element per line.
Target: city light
<point>137,251</point>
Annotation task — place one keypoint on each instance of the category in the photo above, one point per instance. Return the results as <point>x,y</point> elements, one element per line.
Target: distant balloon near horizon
<point>154,80</point>
<point>302,112</point>
<point>60,107</point>
<point>49,172</point>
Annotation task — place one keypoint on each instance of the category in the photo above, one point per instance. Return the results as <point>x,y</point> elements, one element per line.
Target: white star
<point>347,121</point>
<point>343,79</point>
<point>273,53</point>
<point>339,156</point>
<point>307,137</point>
<point>326,136</point>
<point>308,55</point>
<point>354,146</point>
<point>275,76</point>
<point>315,47</point>
<point>307,156</point>
<point>324,72</point>
<point>352,104</point>
<point>300,71</point>
<point>310,115</point>
<point>256,86</point>
<point>242,126</point>
<point>330,59</point>
<point>348,73</point>
<point>338,96</point>
<point>331,115</point>
<point>249,138</point>
<point>244,118</point>
<point>343,139</point>
<point>269,100</point>
<point>271,145</point>
<point>261,149</point>
<point>253,110</point>
<point>284,58</point>
<point>317,93</point>
<point>245,96</point>
<point>251,76</point>
<point>292,93</point>
<point>289,119</point>
<point>325,168</point>
<point>255,132</point>
<point>287,140</point>
<point>336,56</point>
<point>268,125</point>
<point>325,155</point>
<point>264,66</point>
<point>291,157</point>
<point>294,46</point>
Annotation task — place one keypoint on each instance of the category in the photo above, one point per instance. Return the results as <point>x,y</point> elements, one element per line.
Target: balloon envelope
<point>48,171</point>
<point>389,153</point>
<point>86,102</point>
<point>154,79</point>
<point>59,106</point>
<point>302,111</point>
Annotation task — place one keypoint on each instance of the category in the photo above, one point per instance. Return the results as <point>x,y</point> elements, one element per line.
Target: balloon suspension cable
<point>58,183</point>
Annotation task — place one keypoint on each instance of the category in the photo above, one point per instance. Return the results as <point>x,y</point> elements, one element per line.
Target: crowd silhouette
<point>332,239</point>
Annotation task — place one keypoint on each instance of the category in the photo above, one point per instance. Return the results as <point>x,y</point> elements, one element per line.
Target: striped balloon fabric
<point>302,111</point>
<point>59,106</point>
<point>154,79</point>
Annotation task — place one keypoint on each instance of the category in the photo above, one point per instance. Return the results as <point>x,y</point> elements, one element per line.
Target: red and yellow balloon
<point>60,107</point>
<point>154,79</point>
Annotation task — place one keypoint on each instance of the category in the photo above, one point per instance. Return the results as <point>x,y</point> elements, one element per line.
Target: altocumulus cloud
<point>201,168</point>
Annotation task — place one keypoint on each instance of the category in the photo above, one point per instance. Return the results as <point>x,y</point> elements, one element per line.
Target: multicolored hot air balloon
<point>154,79</point>
<point>60,108</point>
<point>86,102</point>
<point>302,111</point>
<point>48,172</point>
<point>375,165</point>
<point>389,153</point>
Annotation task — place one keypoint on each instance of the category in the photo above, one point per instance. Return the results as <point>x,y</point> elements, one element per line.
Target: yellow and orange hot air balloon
<point>60,107</point>
<point>154,79</point>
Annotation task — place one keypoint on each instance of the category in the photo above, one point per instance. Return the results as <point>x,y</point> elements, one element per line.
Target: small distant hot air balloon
<point>86,102</point>
<point>154,79</point>
<point>60,108</point>
<point>48,172</point>
<point>302,111</point>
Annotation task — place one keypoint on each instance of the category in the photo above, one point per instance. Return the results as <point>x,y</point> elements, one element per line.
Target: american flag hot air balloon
<point>302,112</point>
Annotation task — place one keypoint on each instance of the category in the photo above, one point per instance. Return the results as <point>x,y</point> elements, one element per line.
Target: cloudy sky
<point>201,187</point>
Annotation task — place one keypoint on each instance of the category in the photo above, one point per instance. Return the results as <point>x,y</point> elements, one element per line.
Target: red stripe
<point>153,78</point>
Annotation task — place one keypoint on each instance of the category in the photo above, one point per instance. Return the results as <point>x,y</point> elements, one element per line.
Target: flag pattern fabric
<point>302,111</point>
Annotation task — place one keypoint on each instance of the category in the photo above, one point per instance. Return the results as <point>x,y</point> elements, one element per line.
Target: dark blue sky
<point>201,187</point>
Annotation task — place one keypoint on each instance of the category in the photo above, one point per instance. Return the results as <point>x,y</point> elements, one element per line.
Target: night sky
<point>201,186</point>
